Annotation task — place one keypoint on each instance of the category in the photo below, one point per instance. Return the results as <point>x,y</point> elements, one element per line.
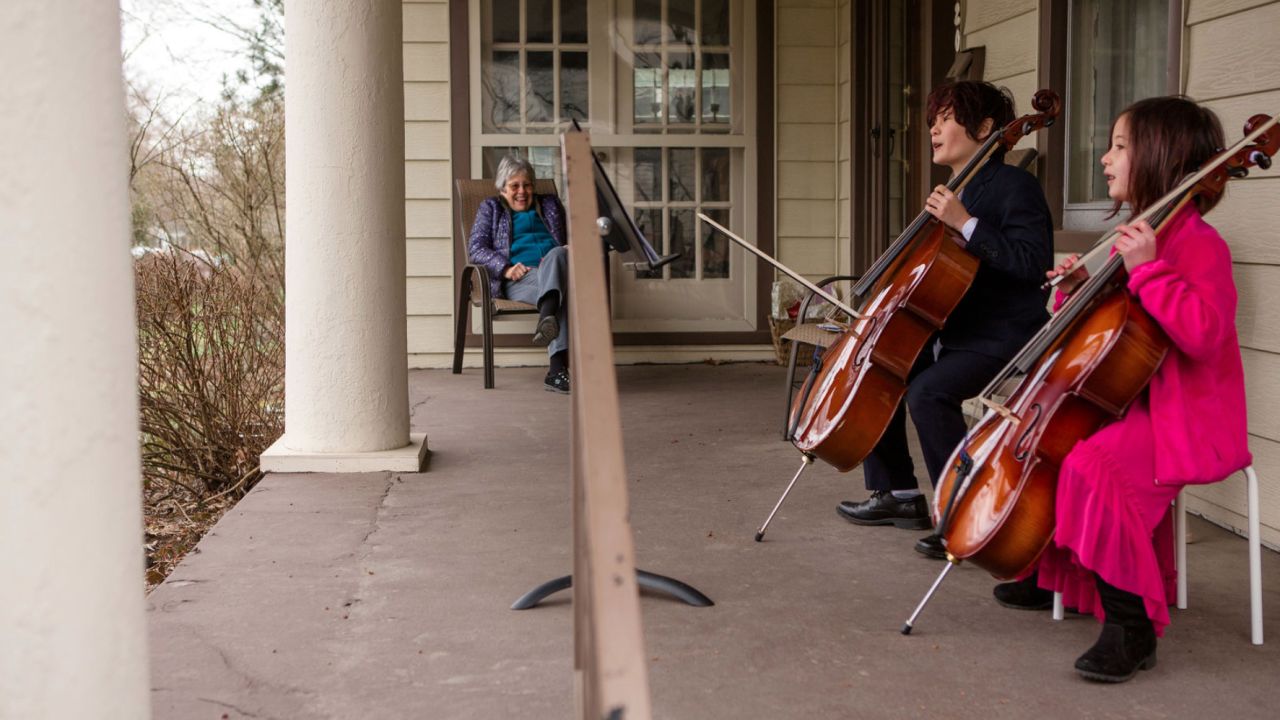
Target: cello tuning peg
<point>1238,171</point>
<point>1261,159</point>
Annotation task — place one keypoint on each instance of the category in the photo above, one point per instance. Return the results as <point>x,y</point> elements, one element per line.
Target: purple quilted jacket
<point>490,243</point>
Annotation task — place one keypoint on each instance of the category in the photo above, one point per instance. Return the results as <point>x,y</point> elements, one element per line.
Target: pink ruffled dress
<point>1188,427</point>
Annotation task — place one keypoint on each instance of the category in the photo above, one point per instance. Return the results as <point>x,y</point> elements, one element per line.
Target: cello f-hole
<point>1023,448</point>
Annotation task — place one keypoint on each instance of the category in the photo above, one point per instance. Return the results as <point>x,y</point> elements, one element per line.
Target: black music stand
<point>624,237</point>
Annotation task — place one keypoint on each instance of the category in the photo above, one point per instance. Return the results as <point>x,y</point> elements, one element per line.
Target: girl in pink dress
<point>1112,553</point>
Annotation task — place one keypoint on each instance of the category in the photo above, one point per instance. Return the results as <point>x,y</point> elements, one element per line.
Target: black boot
<point>1128,640</point>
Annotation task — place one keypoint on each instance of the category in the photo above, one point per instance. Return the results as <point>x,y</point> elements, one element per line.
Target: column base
<point>409,458</point>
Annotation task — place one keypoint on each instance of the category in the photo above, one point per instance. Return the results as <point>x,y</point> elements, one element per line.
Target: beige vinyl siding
<point>1009,30</point>
<point>809,111</point>
<point>1232,64</point>
<point>428,185</point>
<point>844,260</point>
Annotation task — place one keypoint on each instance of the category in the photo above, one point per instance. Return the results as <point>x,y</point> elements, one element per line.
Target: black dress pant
<point>935,389</point>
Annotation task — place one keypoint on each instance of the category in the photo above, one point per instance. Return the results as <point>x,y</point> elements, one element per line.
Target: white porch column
<point>346,377</point>
<point>72,629</point>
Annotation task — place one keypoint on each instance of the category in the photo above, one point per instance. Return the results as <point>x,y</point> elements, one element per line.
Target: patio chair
<point>806,333</point>
<point>1180,557</point>
<point>473,287</point>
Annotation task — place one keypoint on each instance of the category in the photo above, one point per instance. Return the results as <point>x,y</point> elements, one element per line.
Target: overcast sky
<point>168,49</point>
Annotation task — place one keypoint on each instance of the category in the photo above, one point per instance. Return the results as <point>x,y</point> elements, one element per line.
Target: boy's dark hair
<point>971,102</point>
<point>1169,138</point>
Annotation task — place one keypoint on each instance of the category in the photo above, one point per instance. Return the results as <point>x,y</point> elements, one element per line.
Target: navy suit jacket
<point>1014,243</point>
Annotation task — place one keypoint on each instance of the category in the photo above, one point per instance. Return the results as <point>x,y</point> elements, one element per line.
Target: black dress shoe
<point>931,546</point>
<point>1023,594</point>
<point>885,509</point>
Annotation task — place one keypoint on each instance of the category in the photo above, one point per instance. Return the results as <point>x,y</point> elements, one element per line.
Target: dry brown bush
<point>209,202</point>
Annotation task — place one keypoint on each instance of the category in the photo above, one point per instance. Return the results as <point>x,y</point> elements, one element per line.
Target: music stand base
<point>660,583</point>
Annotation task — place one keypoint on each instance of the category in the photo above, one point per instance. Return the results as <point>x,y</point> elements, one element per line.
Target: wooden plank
<point>609,642</point>
<point>806,27</point>
<point>426,101</point>
<point>426,62</point>
<point>1249,219</point>
<point>807,218</point>
<point>1235,55</point>
<point>426,23</point>
<point>807,180</point>
<point>426,141</point>
<point>806,66</point>
<point>807,104</point>
<point>428,218</point>
<point>429,257</point>
<point>1262,386</point>
<point>1012,46</point>
<point>1258,288</point>
<point>1202,10</point>
<point>807,142</point>
<point>1226,504</point>
<point>979,14</point>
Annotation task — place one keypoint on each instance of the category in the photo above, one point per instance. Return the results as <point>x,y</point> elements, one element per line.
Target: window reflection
<point>715,246</point>
<point>542,86</point>
<point>715,175</point>
<point>682,241</point>
<point>573,86</point>
<point>715,22</point>
<point>648,88</point>
<point>715,87</point>
<point>680,163</point>
<point>682,79</point>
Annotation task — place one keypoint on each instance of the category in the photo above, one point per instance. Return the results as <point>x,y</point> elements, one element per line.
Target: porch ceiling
<point>386,596</point>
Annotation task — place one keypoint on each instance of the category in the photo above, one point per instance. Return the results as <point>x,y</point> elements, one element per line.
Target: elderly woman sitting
<point>519,238</point>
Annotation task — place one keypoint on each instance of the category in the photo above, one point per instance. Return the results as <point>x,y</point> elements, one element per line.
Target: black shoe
<point>885,509</point>
<point>547,330</point>
<point>557,382</point>
<point>1128,640</point>
<point>931,546</point>
<point>1023,595</point>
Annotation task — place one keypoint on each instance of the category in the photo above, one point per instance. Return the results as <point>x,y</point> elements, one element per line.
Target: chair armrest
<point>481,294</point>
<point>804,304</point>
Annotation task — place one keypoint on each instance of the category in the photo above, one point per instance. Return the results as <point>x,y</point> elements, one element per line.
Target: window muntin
<point>534,65</point>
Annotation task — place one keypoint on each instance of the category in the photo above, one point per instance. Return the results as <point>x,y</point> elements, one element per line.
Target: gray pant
<point>552,273</point>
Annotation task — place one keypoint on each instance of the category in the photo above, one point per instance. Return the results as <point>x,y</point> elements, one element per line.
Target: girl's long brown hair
<point>1169,138</point>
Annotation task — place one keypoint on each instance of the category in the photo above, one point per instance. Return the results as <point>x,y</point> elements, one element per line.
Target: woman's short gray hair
<point>511,166</point>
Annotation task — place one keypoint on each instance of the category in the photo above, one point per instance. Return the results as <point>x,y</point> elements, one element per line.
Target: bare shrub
<point>211,385</point>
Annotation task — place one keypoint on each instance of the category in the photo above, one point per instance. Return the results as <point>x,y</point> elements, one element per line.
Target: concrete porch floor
<point>386,595</point>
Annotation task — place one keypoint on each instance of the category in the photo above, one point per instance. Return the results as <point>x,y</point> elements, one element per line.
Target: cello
<point>995,504</point>
<point>853,391</point>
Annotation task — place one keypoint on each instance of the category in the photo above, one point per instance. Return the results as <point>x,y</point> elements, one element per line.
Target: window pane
<point>649,220</point>
<point>541,83</point>
<point>680,165</point>
<point>715,175</point>
<point>537,21</point>
<point>648,88</point>
<point>683,83</point>
<point>715,22</point>
<point>715,88</point>
<point>489,159</point>
<point>545,162</point>
<point>1118,55</point>
<point>502,90</point>
<point>573,85</point>
<point>648,22</point>
<point>682,229</point>
<point>715,246</point>
<point>648,176</point>
<point>573,21</point>
<point>506,21</point>
<point>680,21</point>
